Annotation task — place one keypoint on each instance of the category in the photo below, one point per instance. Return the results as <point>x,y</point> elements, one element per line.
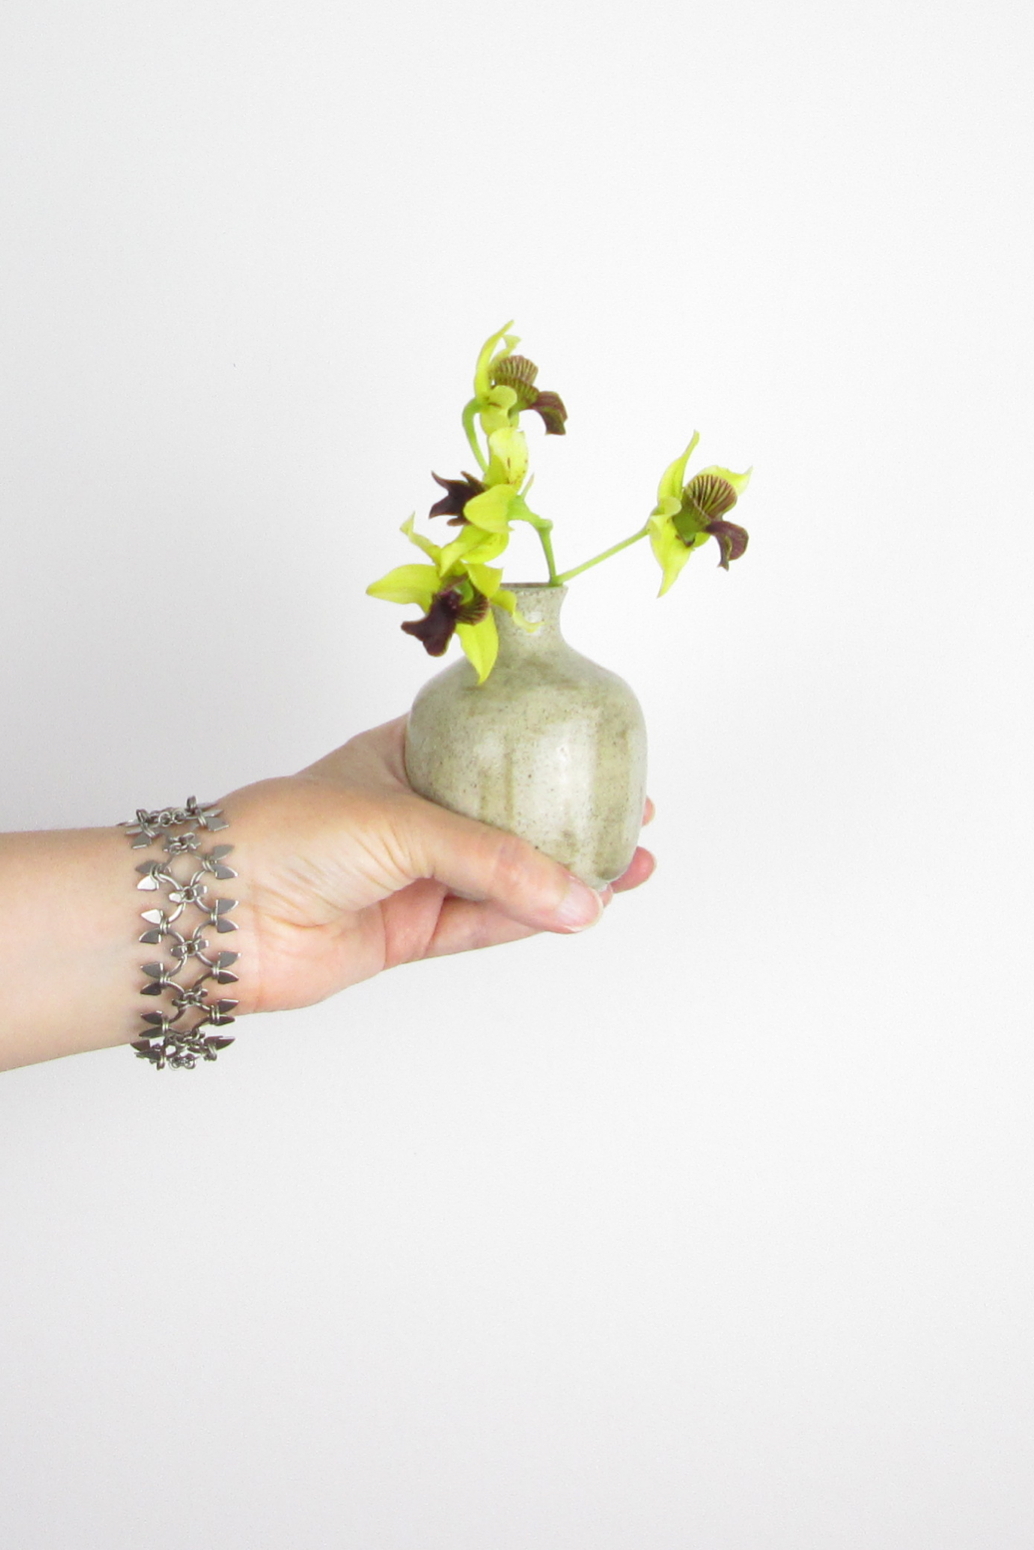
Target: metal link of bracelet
<point>172,1038</point>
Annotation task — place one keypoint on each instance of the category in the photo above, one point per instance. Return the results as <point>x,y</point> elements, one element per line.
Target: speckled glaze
<point>551,747</point>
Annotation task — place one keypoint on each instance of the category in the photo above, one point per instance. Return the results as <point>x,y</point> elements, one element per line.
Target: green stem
<point>614,549</point>
<point>468,425</point>
<point>544,529</point>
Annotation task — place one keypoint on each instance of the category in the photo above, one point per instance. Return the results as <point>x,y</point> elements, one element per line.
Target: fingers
<point>465,926</point>
<point>424,921</point>
<point>641,868</point>
<point>486,864</point>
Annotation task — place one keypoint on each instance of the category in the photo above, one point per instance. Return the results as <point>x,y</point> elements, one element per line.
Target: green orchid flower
<point>495,501</point>
<point>687,515</point>
<point>456,592</point>
<point>504,385</point>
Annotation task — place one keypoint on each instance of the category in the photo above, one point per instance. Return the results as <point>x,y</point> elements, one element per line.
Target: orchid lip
<point>448,608</point>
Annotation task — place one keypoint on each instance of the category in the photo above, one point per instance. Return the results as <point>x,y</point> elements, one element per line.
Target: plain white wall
<point>710,1230</point>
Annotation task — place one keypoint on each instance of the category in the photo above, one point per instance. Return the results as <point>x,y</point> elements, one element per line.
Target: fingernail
<point>581,906</point>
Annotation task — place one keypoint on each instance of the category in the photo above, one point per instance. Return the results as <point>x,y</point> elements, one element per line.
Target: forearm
<point>69,950</point>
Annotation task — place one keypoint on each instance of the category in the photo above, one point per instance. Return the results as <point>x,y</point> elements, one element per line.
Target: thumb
<point>479,862</point>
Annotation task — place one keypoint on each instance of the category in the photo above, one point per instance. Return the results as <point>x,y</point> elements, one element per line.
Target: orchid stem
<point>544,529</point>
<point>545,539</point>
<point>468,425</point>
<point>614,549</point>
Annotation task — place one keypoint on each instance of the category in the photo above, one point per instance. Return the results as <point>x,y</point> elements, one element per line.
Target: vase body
<point>551,746</point>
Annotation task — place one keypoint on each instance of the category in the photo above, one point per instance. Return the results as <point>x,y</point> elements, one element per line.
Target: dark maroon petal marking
<point>434,631</point>
<point>448,608</point>
<point>458,493</point>
<point>551,407</point>
<point>732,540</point>
<point>711,494</point>
<point>474,611</point>
<point>517,372</point>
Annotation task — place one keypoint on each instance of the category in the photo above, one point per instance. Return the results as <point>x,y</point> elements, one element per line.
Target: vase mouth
<point>538,604</point>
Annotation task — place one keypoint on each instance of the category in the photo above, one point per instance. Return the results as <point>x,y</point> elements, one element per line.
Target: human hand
<point>344,871</point>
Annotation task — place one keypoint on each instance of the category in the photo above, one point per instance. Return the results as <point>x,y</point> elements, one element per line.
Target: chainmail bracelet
<point>168,1040</point>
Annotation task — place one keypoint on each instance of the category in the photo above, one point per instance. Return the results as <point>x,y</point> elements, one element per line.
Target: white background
<point>710,1230</point>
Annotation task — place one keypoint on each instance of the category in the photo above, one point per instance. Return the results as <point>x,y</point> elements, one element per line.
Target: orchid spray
<point>459,585</point>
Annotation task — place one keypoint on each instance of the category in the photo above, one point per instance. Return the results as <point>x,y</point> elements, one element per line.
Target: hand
<point>345,871</point>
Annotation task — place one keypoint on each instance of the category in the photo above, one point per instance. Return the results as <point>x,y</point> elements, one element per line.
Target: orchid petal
<point>482,547</point>
<point>435,630</point>
<point>490,511</point>
<point>482,372</point>
<point>499,410</point>
<point>731,540</point>
<point>739,482</point>
<point>430,549</point>
<point>472,545</point>
<point>670,552</point>
<point>673,476</point>
<point>481,643</point>
<point>706,498</point>
<point>485,577</point>
<point>504,598</point>
<point>407,584</point>
<point>550,408</point>
<point>509,460</point>
<point>457,493</point>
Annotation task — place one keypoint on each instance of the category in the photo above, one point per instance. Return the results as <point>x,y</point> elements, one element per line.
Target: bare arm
<point>342,871</point>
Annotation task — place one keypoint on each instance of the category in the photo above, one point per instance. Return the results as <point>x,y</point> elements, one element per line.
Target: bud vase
<point>551,746</point>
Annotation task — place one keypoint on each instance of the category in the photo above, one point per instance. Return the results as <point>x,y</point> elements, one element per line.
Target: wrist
<point>182,878</point>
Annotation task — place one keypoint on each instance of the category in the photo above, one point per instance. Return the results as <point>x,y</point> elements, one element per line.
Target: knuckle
<point>515,866</point>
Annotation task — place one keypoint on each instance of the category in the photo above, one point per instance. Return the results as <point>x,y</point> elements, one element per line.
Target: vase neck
<point>539,605</point>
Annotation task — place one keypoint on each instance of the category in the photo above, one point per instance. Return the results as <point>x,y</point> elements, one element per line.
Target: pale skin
<point>342,871</point>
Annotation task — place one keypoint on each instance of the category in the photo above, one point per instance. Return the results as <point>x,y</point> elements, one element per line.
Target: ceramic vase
<point>551,746</point>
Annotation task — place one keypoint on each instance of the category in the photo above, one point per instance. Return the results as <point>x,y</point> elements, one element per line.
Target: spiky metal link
<point>178,1031</point>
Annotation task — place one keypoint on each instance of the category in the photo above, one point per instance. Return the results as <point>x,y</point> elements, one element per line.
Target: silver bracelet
<point>169,1041</point>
